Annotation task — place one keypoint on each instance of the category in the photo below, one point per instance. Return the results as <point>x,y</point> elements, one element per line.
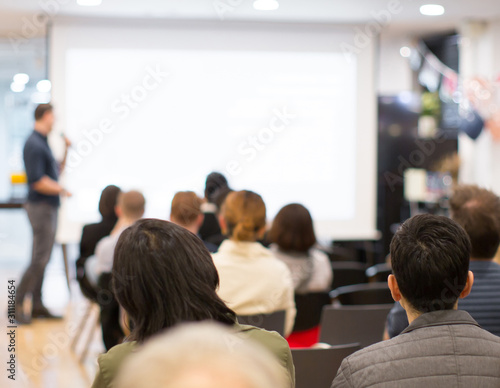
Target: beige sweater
<point>254,281</point>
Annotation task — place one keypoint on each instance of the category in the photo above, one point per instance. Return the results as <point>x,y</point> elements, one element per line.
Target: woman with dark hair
<point>93,233</point>
<point>216,190</point>
<point>293,238</point>
<point>163,276</point>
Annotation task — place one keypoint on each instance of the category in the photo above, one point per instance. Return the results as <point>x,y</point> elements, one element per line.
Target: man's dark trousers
<point>43,220</point>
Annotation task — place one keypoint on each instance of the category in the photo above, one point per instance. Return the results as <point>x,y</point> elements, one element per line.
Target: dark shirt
<point>483,302</point>
<point>39,162</point>
<point>91,235</point>
<point>210,231</point>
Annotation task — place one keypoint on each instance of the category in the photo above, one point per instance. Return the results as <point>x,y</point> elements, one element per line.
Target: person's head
<point>163,275</point>
<point>292,229</point>
<point>44,118</point>
<point>477,210</point>
<point>430,263</point>
<point>201,355</point>
<point>130,205</point>
<point>243,216</point>
<point>108,200</point>
<point>215,185</point>
<point>186,210</point>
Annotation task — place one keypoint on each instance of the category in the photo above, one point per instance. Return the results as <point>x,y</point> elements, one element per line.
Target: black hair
<point>163,275</point>
<point>430,260</point>
<point>107,202</point>
<point>215,186</point>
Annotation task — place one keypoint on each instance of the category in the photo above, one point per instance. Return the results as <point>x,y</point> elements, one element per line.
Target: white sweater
<point>254,281</point>
<point>311,272</point>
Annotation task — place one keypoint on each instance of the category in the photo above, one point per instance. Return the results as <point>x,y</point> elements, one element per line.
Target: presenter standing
<point>43,202</point>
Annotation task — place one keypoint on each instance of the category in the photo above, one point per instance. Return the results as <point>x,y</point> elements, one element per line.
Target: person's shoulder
<point>258,334</point>
<point>32,143</point>
<point>270,340</point>
<point>110,362</point>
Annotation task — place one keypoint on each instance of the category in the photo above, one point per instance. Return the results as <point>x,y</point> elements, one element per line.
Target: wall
<point>480,56</point>
<point>393,73</point>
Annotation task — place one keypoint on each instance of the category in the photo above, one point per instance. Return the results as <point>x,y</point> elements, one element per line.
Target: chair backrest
<point>316,368</point>
<point>378,272</point>
<point>369,293</point>
<point>362,324</point>
<point>309,307</point>
<point>272,322</point>
<point>346,273</point>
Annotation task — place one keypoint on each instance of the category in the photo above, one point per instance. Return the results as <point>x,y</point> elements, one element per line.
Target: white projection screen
<point>278,109</point>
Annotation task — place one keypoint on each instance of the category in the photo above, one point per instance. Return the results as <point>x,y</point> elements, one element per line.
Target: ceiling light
<point>21,78</point>
<point>265,5</point>
<point>89,3</point>
<point>17,88</point>
<point>432,10</point>
<point>44,86</point>
<point>405,52</point>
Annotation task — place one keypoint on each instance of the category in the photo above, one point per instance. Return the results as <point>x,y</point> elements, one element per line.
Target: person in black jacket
<point>216,190</point>
<point>92,234</point>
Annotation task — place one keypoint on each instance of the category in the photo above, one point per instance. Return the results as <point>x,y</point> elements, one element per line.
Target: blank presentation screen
<point>282,124</point>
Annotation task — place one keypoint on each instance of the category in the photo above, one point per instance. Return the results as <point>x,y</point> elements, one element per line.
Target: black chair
<point>369,293</point>
<point>309,307</point>
<point>316,368</point>
<point>362,324</point>
<point>346,273</point>
<point>378,272</point>
<point>272,322</point>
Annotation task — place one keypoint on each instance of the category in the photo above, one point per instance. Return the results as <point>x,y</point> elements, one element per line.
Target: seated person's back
<point>477,210</point>
<point>443,346</point>
<point>129,209</point>
<point>92,234</point>
<point>186,212</point>
<point>252,279</point>
<point>167,278</point>
<point>216,190</point>
<point>292,236</point>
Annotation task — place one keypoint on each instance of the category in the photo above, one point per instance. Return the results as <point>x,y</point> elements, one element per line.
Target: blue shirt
<point>39,162</point>
<point>483,302</point>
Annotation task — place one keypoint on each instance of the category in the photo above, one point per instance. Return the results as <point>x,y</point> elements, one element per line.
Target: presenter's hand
<point>66,193</point>
<point>67,142</point>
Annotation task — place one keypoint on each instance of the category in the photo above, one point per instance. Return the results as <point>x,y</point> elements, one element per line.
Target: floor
<point>44,354</point>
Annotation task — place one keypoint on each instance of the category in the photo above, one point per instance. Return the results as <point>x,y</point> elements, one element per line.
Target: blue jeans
<point>43,220</point>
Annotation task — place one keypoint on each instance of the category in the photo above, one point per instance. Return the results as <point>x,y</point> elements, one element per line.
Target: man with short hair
<point>129,209</point>
<point>42,173</point>
<point>477,210</point>
<point>442,346</point>
<point>186,212</point>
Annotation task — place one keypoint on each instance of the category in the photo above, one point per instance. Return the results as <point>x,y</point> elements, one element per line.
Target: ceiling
<point>14,14</point>
<point>18,23</point>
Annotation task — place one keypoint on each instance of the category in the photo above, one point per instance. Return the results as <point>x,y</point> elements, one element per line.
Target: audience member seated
<point>201,355</point>
<point>186,212</point>
<point>442,346</point>
<point>252,279</point>
<point>130,208</point>
<point>92,234</point>
<point>292,236</point>
<point>163,276</point>
<point>478,212</point>
<point>216,190</point>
